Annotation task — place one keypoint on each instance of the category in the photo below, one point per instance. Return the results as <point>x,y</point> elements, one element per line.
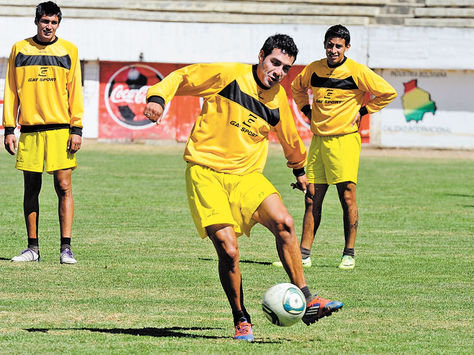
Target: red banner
<point>123,88</point>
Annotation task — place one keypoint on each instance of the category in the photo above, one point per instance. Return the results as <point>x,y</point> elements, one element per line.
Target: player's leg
<point>225,242</point>
<point>208,200</point>
<point>32,189</point>
<point>346,153</point>
<point>347,197</point>
<point>63,187</point>
<point>30,159</point>
<point>316,191</point>
<point>312,216</point>
<point>273,214</point>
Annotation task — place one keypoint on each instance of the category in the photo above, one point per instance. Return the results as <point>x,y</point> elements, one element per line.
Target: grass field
<point>146,283</point>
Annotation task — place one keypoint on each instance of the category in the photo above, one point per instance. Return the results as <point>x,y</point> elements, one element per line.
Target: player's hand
<point>10,143</point>
<point>356,120</point>
<point>74,143</point>
<point>301,183</point>
<point>153,112</point>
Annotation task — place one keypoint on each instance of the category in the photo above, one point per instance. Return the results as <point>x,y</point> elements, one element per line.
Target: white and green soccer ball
<point>284,304</point>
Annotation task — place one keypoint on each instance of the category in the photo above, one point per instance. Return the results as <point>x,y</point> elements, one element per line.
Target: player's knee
<point>230,256</point>
<point>284,222</point>
<point>63,187</point>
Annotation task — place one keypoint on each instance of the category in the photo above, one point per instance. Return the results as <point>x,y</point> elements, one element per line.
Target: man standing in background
<point>339,87</point>
<point>43,91</point>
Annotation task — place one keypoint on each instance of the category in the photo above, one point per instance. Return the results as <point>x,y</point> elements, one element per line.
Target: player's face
<point>47,26</point>
<point>272,69</point>
<point>335,50</point>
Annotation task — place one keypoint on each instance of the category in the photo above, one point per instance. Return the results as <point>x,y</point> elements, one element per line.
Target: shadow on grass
<point>242,261</point>
<point>174,332</point>
<point>2,258</point>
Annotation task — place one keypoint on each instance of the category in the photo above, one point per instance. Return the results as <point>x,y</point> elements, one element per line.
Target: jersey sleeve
<point>10,97</point>
<point>74,88</point>
<point>300,86</point>
<point>192,80</point>
<point>383,93</point>
<point>293,147</point>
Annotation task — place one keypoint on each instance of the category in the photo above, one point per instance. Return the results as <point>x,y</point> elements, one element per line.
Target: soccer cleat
<point>67,257</point>
<point>306,262</point>
<point>319,308</point>
<point>347,262</point>
<point>243,331</point>
<point>27,255</point>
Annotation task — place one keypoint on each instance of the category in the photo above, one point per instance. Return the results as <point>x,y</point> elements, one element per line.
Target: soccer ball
<point>284,304</point>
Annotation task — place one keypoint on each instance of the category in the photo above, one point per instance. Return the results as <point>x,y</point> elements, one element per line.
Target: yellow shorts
<point>219,198</point>
<point>46,149</point>
<point>334,159</point>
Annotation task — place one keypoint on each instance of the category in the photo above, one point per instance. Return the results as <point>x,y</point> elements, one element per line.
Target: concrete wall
<point>380,47</point>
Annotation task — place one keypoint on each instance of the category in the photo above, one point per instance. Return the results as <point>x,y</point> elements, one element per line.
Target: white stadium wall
<point>400,54</point>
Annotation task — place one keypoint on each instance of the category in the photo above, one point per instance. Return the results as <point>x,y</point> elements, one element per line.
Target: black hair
<point>47,8</point>
<point>338,31</point>
<point>280,41</point>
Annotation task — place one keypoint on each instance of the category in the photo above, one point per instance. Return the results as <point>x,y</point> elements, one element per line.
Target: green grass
<point>146,283</point>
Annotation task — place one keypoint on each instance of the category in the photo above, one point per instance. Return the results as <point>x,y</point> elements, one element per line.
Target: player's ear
<point>260,56</point>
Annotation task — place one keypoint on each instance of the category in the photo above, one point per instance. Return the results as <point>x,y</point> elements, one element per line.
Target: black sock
<point>239,316</point>
<point>307,294</point>
<point>33,244</point>
<point>348,251</point>
<point>65,243</point>
<point>305,253</point>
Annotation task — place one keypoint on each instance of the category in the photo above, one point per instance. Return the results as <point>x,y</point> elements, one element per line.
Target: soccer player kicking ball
<point>43,91</point>
<point>226,153</point>
<point>339,87</point>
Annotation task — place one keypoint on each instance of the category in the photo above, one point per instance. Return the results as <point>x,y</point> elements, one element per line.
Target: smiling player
<point>226,153</point>
<point>339,87</point>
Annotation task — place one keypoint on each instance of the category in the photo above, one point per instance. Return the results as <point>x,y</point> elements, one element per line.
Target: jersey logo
<point>23,60</point>
<point>343,84</point>
<point>234,93</point>
<point>43,71</point>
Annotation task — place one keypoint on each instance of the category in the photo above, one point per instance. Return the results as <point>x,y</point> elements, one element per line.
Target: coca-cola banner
<point>123,88</point>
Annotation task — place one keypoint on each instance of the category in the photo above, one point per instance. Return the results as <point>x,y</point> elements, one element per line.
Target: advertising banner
<point>122,98</point>
<point>434,109</point>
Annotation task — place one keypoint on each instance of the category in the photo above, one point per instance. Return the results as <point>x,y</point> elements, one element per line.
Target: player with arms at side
<point>226,153</point>
<point>339,87</point>
<point>43,91</point>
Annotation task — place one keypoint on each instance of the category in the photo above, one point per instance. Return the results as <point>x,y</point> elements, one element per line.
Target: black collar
<point>37,41</point>
<point>336,65</point>
<point>255,76</point>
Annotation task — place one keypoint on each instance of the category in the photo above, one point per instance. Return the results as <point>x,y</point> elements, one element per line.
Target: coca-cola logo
<point>125,94</point>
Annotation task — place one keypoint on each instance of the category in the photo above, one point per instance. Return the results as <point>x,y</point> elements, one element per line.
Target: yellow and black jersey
<point>338,94</point>
<point>231,133</point>
<point>43,87</point>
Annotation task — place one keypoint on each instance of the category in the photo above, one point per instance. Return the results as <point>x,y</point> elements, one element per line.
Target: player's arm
<point>299,88</point>
<point>75,98</point>
<point>382,92</point>
<point>293,147</point>
<point>76,104</point>
<point>10,105</point>
<point>192,80</point>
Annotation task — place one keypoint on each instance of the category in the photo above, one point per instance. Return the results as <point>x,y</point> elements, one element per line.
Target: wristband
<point>299,172</point>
